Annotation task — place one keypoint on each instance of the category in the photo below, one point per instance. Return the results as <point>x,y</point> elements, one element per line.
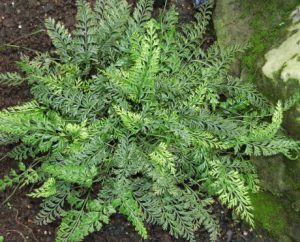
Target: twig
<point>11,44</point>
<point>26,36</point>
<point>18,232</point>
<point>18,222</point>
<point>10,195</point>
<point>17,46</point>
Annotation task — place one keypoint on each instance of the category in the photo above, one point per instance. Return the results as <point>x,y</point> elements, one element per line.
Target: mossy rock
<point>269,213</point>
<point>265,25</point>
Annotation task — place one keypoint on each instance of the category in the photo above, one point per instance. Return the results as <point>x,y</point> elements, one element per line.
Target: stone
<point>295,232</point>
<point>273,62</point>
<point>48,7</point>
<point>295,15</point>
<point>33,3</point>
<point>231,26</point>
<point>229,235</point>
<point>285,60</point>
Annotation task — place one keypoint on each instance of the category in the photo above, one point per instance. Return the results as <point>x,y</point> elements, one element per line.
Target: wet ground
<point>21,32</point>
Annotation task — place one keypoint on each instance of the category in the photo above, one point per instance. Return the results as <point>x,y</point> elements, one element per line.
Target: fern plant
<point>130,115</point>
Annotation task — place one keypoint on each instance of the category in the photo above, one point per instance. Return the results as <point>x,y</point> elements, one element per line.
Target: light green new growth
<point>130,115</point>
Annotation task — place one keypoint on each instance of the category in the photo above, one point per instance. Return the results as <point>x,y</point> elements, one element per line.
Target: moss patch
<point>269,213</point>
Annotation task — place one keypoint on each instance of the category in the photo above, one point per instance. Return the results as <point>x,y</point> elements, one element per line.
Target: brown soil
<point>21,32</point>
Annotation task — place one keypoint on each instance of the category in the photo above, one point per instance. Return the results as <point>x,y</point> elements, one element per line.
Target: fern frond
<point>52,207</point>
<point>22,152</point>
<point>234,193</point>
<point>112,18</point>
<point>72,174</point>
<point>291,101</point>
<point>85,36</point>
<point>6,139</point>
<point>163,159</point>
<point>181,219</point>
<point>77,224</point>
<point>11,79</point>
<point>191,33</point>
<point>129,207</point>
<point>60,38</point>
<point>141,14</point>
<point>48,189</point>
<point>140,80</point>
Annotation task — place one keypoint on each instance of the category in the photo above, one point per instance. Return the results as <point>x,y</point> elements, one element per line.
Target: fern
<point>52,207</point>
<point>60,37</point>
<point>11,79</point>
<point>130,115</point>
<point>129,207</point>
<point>48,189</point>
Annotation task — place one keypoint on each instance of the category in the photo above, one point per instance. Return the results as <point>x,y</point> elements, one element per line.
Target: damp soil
<point>22,33</point>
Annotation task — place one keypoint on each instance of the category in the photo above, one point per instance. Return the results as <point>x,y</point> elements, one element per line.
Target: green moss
<point>269,213</point>
<point>268,26</point>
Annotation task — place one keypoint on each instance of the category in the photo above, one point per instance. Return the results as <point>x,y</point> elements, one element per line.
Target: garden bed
<point>21,32</point>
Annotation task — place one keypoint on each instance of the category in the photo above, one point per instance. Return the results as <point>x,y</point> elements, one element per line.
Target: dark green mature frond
<point>128,206</point>
<point>134,111</point>
<point>112,18</point>
<point>85,36</point>
<point>141,14</point>
<point>11,79</point>
<point>181,212</point>
<point>77,224</point>
<point>52,207</point>
<point>193,33</point>
<point>60,38</point>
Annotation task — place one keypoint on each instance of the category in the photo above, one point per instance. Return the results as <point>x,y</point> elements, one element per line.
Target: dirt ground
<point>22,32</point>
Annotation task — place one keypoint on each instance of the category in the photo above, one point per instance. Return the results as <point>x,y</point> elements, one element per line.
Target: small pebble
<point>245,233</point>
<point>8,23</point>
<point>45,232</point>
<point>229,235</point>
<point>20,26</point>
<point>48,7</point>
<point>198,3</point>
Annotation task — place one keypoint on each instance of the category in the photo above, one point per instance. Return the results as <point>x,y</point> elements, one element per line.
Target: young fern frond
<point>232,191</point>
<point>48,189</point>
